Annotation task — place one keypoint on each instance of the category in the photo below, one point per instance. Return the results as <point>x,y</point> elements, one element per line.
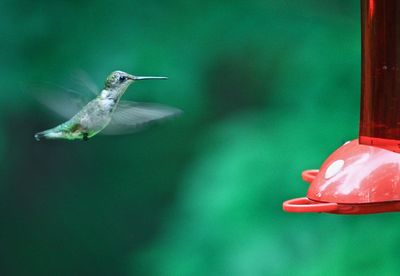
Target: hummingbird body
<point>93,118</point>
<point>98,113</point>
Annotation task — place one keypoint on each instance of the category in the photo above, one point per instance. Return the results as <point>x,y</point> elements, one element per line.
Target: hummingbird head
<point>120,79</point>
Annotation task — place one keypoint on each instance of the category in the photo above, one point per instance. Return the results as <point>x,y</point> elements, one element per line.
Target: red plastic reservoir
<point>380,80</point>
<point>355,179</point>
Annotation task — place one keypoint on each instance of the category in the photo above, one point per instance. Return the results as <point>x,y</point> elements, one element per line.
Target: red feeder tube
<point>380,77</point>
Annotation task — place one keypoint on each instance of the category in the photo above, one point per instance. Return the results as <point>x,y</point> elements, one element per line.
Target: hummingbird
<point>107,111</point>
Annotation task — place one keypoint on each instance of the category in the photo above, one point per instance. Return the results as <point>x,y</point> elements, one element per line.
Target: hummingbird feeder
<point>363,175</point>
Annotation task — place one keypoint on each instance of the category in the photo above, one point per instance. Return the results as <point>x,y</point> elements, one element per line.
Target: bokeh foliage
<point>269,88</point>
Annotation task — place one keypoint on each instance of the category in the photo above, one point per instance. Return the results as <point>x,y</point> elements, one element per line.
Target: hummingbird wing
<point>85,83</point>
<point>132,116</point>
<point>66,102</point>
<point>65,105</point>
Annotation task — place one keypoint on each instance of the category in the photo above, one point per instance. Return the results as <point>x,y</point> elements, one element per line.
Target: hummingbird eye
<point>122,78</point>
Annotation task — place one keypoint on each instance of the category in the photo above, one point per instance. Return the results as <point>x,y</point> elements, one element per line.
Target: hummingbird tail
<point>47,134</point>
<point>40,136</point>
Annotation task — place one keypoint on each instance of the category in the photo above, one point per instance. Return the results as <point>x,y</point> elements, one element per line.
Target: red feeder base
<point>355,179</point>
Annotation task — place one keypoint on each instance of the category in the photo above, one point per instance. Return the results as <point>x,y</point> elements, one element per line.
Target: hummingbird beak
<point>136,78</point>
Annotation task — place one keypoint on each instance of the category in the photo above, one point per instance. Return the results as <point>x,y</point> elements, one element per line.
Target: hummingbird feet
<point>85,136</point>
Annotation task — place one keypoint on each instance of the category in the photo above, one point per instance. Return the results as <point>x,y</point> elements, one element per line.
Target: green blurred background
<point>269,88</point>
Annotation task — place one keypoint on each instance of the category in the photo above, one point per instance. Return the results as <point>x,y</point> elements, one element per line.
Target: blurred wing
<point>132,116</point>
<point>85,83</point>
<point>66,102</point>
